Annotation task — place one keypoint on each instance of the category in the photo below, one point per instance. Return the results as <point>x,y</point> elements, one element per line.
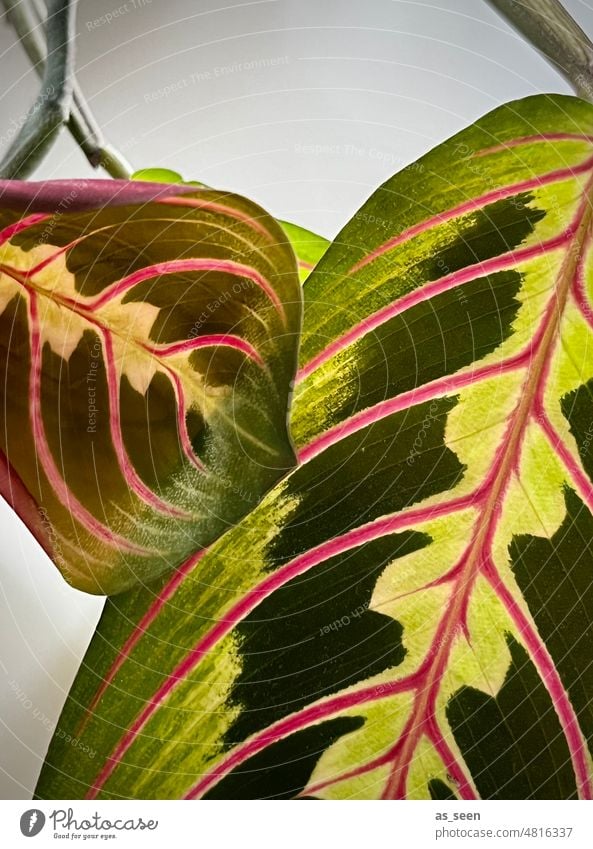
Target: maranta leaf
<point>409,613</point>
<point>149,338</point>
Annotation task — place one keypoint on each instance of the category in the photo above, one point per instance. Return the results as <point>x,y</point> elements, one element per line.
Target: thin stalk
<point>28,25</point>
<point>86,130</point>
<point>52,105</point>
<point>555,33</point>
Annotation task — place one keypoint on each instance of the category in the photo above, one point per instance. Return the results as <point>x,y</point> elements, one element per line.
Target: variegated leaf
<point>410,612</point>
<point>149,338</point>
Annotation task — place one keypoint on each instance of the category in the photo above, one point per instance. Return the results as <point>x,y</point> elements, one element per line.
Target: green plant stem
<point>555,33</point>
<point>52,106</point>
<point>81,123</point>
<point>86,131</point>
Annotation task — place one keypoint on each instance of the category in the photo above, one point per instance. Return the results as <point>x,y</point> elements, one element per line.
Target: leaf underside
<point>409,613</point>
<point>148,346</point>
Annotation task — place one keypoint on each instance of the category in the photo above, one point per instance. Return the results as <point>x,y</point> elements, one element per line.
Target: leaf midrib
<point>490,510</point>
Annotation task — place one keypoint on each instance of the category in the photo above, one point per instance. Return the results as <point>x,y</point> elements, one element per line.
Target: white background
<point>420,824</point>
<point>371,85</point>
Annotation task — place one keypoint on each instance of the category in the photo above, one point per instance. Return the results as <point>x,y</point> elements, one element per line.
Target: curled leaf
<point>149,338</point>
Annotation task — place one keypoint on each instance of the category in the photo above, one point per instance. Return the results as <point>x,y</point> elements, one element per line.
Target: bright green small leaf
<point>157,175</point>
<point>308,247</point>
